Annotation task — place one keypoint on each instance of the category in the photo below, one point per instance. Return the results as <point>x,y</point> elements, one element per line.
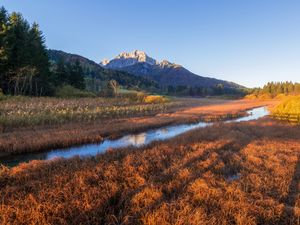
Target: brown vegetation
<point>38,138</point>
<point>16,112</point>
<point>244,173</point>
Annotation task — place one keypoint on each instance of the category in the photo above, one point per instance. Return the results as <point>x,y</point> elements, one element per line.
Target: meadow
<point>26,111</point>
<point>243,173</point>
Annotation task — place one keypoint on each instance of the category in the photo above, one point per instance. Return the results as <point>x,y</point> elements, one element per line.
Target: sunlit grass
<point>288,110</point>
<point>187,180</point>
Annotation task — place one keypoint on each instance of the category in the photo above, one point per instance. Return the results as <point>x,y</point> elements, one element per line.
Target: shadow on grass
<point>290,200</point>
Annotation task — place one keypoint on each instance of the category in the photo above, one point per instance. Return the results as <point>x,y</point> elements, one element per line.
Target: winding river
<point>137,140</point>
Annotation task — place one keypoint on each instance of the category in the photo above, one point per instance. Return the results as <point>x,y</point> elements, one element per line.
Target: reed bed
<point>17,112</point>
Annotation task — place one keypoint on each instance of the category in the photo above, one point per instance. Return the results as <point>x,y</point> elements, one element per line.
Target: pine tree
<point>24,63</point>
<point>61,76</point>
<point>76,78</point>
<point>3,55</point>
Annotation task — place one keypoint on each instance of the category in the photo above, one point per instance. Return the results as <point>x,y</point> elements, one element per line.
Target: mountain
<point>128,59</point>
<point>164,73</point>
<point>56,55</point>
<point>96,74</point>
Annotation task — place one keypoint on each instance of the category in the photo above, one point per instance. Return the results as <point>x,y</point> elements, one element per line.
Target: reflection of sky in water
<point>128,140</point>
<point>254,114</point>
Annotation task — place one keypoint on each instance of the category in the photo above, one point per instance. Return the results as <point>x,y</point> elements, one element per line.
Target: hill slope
<point>100,75</point>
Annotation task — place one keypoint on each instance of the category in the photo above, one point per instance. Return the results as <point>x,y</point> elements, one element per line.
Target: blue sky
<point>248,42</point>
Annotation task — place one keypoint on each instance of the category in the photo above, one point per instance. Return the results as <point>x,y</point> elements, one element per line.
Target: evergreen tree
<point>3,56</point>
<point>61,76</point>
<point>24,64</point>
<point>76,78</point>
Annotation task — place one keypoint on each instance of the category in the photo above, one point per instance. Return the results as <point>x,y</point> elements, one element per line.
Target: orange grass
<point>187,180</point>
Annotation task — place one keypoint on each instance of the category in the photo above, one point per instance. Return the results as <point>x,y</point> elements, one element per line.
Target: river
<point>137,140</point>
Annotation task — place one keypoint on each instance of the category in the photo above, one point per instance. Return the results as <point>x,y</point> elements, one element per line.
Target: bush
<point>70,92</point>
<point>251,96</point>
<point>155,99</point>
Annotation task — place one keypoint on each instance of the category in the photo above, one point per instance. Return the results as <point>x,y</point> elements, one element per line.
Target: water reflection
<point>254,114</point>
<point>128,140</point>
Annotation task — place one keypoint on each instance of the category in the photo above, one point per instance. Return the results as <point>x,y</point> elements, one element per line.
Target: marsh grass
<point>17,112</point>
<point>15,139</point>
<point>181,181</point>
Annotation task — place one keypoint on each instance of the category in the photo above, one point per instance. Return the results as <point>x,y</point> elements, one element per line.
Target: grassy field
<point>24,111</point>
<point>39,131</point>
<point>244,173</point>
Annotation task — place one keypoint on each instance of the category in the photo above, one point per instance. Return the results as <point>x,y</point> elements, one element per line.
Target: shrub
<point>70,92</point>
<point>266,96</point>
<point>251,96</point>
<point>155,99</point>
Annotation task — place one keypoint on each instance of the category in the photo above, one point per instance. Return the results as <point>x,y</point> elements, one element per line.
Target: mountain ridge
<point>164,72</point>
<point>93,71</point>
<point>127,59</point>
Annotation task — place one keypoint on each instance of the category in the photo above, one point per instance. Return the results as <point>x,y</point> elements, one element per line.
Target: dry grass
<point>187,180</point>
<point>23,112</point>
<point>288,109</point>
<point>43,137</point>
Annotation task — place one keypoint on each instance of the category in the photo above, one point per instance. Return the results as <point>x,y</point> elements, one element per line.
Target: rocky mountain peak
<point>166,63</point>
<point>104,62</point>
<point>137,54</point>
<point>125,59</point>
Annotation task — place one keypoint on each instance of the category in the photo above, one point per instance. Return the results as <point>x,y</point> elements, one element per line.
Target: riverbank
<point>42,138</point>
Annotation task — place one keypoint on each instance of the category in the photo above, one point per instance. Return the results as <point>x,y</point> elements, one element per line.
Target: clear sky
<point>248,42</point>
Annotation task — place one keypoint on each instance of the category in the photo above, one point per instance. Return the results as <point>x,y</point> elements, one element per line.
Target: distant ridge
<point>164,72</point>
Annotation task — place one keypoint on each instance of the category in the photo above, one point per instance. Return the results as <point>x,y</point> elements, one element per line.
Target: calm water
<point>125,141</point>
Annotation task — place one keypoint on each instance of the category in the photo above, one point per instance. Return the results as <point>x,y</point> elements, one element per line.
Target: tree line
<point>219,89</point>
<point>24,62</point>
<point>276,88</point>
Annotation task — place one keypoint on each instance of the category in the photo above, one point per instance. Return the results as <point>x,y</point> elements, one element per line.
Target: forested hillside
<point>96,77</point>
